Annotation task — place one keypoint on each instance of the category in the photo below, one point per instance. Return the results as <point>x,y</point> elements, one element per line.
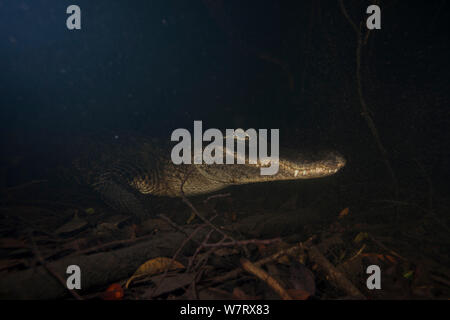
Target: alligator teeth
<point>296,173</point>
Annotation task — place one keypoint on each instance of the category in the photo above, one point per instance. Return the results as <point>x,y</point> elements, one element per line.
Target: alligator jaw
<point>322,165</point>
<point>292,166</point>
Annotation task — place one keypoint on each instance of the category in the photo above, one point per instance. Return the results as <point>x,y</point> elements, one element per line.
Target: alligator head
<point>195,179</point>
<point>292,165</point>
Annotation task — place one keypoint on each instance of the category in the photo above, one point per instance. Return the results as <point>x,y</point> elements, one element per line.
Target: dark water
<point>148,67</point>
<point>151,68</point>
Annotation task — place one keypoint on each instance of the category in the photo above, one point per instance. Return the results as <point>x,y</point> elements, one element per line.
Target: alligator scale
<point>124,170</point>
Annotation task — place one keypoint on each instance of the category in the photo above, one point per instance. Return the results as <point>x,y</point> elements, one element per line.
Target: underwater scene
<point>224,150</point>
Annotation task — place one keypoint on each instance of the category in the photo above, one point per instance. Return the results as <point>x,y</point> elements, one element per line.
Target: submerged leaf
<point>73,226</point>
<point>298,294</point>
<point>302,279</point>
<point>154,266</point>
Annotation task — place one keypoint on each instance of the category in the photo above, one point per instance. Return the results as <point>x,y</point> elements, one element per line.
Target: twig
<point>206,221</point>
<point>215,196</point>
<point>264,276</point>
<point>110,244</point>
<point>337,277</point>
<point>440,279</point>
<point>358,253</point>
<point>208,253</point>
<point>347,16</point>
<point>381,245</point>
<point>289,251</point>
<point>173,224</point>
<point>365,109</point>
<point>242,242</point>
<point>51,271</point>
<point>174,257</point>
<point>197,251</point>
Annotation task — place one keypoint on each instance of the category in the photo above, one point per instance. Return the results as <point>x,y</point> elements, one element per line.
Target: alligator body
<point>125,170</point>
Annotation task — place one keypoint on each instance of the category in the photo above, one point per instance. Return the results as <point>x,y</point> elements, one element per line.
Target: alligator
<point>126,170</point>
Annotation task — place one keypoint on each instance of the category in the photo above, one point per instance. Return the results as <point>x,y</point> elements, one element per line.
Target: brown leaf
<point>73,226</point>
<point>298,294</point>
<point>302,278</point>
<point>169,283</point>
<point>154,266</point>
